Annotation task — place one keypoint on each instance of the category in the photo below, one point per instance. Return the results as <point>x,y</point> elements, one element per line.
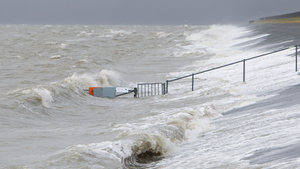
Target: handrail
<point>244,60</point>
<point>268,53</point>
<point>229,64</point>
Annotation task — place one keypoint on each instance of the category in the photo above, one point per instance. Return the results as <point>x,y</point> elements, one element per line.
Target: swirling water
<point>48,120</point>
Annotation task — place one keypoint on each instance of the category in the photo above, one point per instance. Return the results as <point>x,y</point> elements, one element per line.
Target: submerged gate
<point>150,89</point>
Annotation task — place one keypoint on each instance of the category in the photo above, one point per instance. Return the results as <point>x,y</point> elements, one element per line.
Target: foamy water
<point>49,121</point>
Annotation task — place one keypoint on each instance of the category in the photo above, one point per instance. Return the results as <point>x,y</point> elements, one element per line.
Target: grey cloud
<point>140,12</point>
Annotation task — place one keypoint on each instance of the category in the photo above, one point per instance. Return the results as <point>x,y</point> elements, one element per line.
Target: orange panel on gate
<point>91,90</point>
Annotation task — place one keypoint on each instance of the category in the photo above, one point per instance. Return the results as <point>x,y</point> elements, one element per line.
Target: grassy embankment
<point>286,20</point>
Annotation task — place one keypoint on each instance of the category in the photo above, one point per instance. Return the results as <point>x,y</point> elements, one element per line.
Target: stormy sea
<point>48,119</point>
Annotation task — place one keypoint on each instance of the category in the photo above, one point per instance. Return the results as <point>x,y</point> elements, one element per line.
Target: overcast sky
<point>141,12</point>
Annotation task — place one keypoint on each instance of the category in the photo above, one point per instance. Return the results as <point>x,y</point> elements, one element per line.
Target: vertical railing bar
<point>193,82</point>
<point>151,89</point>
<point>167,86</point>
<point>160,85</point>
<point>244,70</point>
<point>161,88</point>
<point>296,58</point>
<point>138,90</point>
<point>154,89</point>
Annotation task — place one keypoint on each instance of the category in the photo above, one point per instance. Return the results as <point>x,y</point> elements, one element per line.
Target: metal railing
<point>233,63</point>
<point>150,89</point>
<point>296,57</point>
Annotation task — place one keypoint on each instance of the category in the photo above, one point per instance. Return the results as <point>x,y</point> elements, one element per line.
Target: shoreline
<point>280,21</point>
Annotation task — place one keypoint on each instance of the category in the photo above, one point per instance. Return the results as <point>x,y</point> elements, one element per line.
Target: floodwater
<point>48,120</point>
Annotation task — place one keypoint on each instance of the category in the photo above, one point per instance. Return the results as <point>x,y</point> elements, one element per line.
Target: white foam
<point>164,132</point>
<point>163,34</point>
<point>107,78</point>
<point>55,57</point>
<point>63,46</point>
<point>85,33</point>
<point>84,81</point>
<point>221,40</point>
<point>219,36</point>
<point>84,60</point>
<point>44,94</point>
<point>120,32</point>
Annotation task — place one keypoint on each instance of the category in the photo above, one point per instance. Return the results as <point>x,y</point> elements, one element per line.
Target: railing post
<point>244,70</point>
<point>138,90</point>
<point>135,90</point>
<point>296,56</point>
<point>193,82</point>
<point>167,86</point>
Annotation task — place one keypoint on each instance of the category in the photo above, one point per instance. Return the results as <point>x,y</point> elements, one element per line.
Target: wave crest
<point>76,83</point>
<point>83,81</point>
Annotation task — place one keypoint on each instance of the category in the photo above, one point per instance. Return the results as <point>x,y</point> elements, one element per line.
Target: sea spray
<point>107,78</point>
<point>79,82</point>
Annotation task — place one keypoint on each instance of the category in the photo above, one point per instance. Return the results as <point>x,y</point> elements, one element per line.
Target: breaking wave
<point>46,94</point>
<point>141,144</point>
